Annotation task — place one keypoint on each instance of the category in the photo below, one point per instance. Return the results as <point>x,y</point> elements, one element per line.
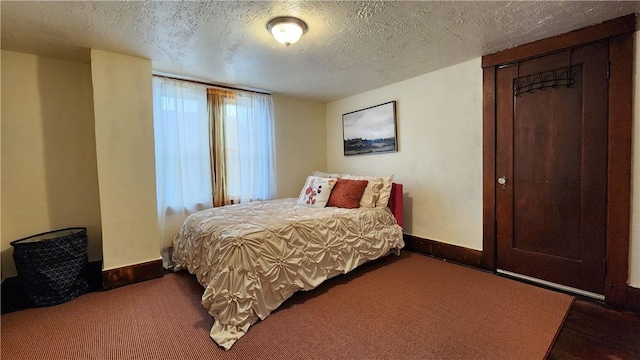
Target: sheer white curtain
<point>249,147</point>
<point>183,164</point>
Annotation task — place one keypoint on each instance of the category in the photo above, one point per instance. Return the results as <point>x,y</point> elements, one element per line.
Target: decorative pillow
<point>371,192</point>
<point>316,191</point>
<point>385,191</point>
<point>326,175</point>
<point>347,193</point>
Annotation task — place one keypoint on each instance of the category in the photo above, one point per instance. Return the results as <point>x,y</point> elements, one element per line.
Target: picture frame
<point>371,130</point>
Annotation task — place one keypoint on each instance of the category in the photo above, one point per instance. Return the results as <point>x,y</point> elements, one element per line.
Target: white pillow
<point>326,175</point>
<point>385,191</point>
<point>316,191</point>
<point>371,192</point>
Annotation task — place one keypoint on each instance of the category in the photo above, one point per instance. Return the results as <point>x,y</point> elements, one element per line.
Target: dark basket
<point>52,266</point>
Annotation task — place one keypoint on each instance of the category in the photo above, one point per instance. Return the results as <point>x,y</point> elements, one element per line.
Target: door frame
<point>620,33</point>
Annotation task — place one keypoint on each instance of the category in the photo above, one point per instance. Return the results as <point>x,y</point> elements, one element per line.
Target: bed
<point>252,257</point>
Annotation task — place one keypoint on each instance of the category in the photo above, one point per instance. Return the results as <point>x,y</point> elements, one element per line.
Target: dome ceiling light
<point>286,29</point>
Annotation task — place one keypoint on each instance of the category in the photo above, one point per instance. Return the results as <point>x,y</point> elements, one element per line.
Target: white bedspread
<point>252,257</point>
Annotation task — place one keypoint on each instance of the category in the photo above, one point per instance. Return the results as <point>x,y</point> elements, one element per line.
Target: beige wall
<point>300,142</point>
<point>122,96</point>
<point>439,158</point>
<point>49,178</point>
<point>124,154</point>
<point>440,154</point>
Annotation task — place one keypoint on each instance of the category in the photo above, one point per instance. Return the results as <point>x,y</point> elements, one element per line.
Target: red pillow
<point>347,193</point>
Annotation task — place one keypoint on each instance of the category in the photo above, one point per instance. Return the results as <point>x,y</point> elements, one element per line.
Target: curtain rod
<point>210,84</point>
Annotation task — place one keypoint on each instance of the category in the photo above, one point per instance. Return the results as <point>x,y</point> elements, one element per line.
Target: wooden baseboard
<point>633,299</point>
<point>126,275</point>
<point>445,251</point>
<point>94,278</point>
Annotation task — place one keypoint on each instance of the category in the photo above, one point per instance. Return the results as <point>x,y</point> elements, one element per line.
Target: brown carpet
<point>411,307</point>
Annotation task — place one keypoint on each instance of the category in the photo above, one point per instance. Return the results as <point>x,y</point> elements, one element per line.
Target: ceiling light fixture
<point>286,29</point>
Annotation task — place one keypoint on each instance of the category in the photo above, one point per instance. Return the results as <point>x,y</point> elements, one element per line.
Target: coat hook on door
<point>555,79</point>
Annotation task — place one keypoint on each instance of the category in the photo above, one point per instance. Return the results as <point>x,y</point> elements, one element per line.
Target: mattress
<point>252,257</point>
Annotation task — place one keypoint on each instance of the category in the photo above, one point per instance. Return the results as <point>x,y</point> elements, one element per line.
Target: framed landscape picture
<point>371,130</point>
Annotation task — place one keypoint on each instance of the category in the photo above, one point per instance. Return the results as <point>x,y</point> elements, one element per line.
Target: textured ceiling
<point>350,47</point>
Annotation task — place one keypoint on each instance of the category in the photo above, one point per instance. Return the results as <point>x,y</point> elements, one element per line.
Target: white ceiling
<point>350,47</point>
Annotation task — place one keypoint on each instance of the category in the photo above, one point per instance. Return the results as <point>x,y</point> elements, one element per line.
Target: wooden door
<point>552,153</point>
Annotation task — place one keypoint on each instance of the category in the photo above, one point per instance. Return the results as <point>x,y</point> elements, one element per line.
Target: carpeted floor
<point>411,307</point>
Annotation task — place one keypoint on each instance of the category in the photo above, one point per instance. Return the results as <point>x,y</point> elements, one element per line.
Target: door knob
<point>502,180</point>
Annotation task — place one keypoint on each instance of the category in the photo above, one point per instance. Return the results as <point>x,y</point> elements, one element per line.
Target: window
<point>249,147</point>
<point>183,167</point>
<point>183,148</point>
